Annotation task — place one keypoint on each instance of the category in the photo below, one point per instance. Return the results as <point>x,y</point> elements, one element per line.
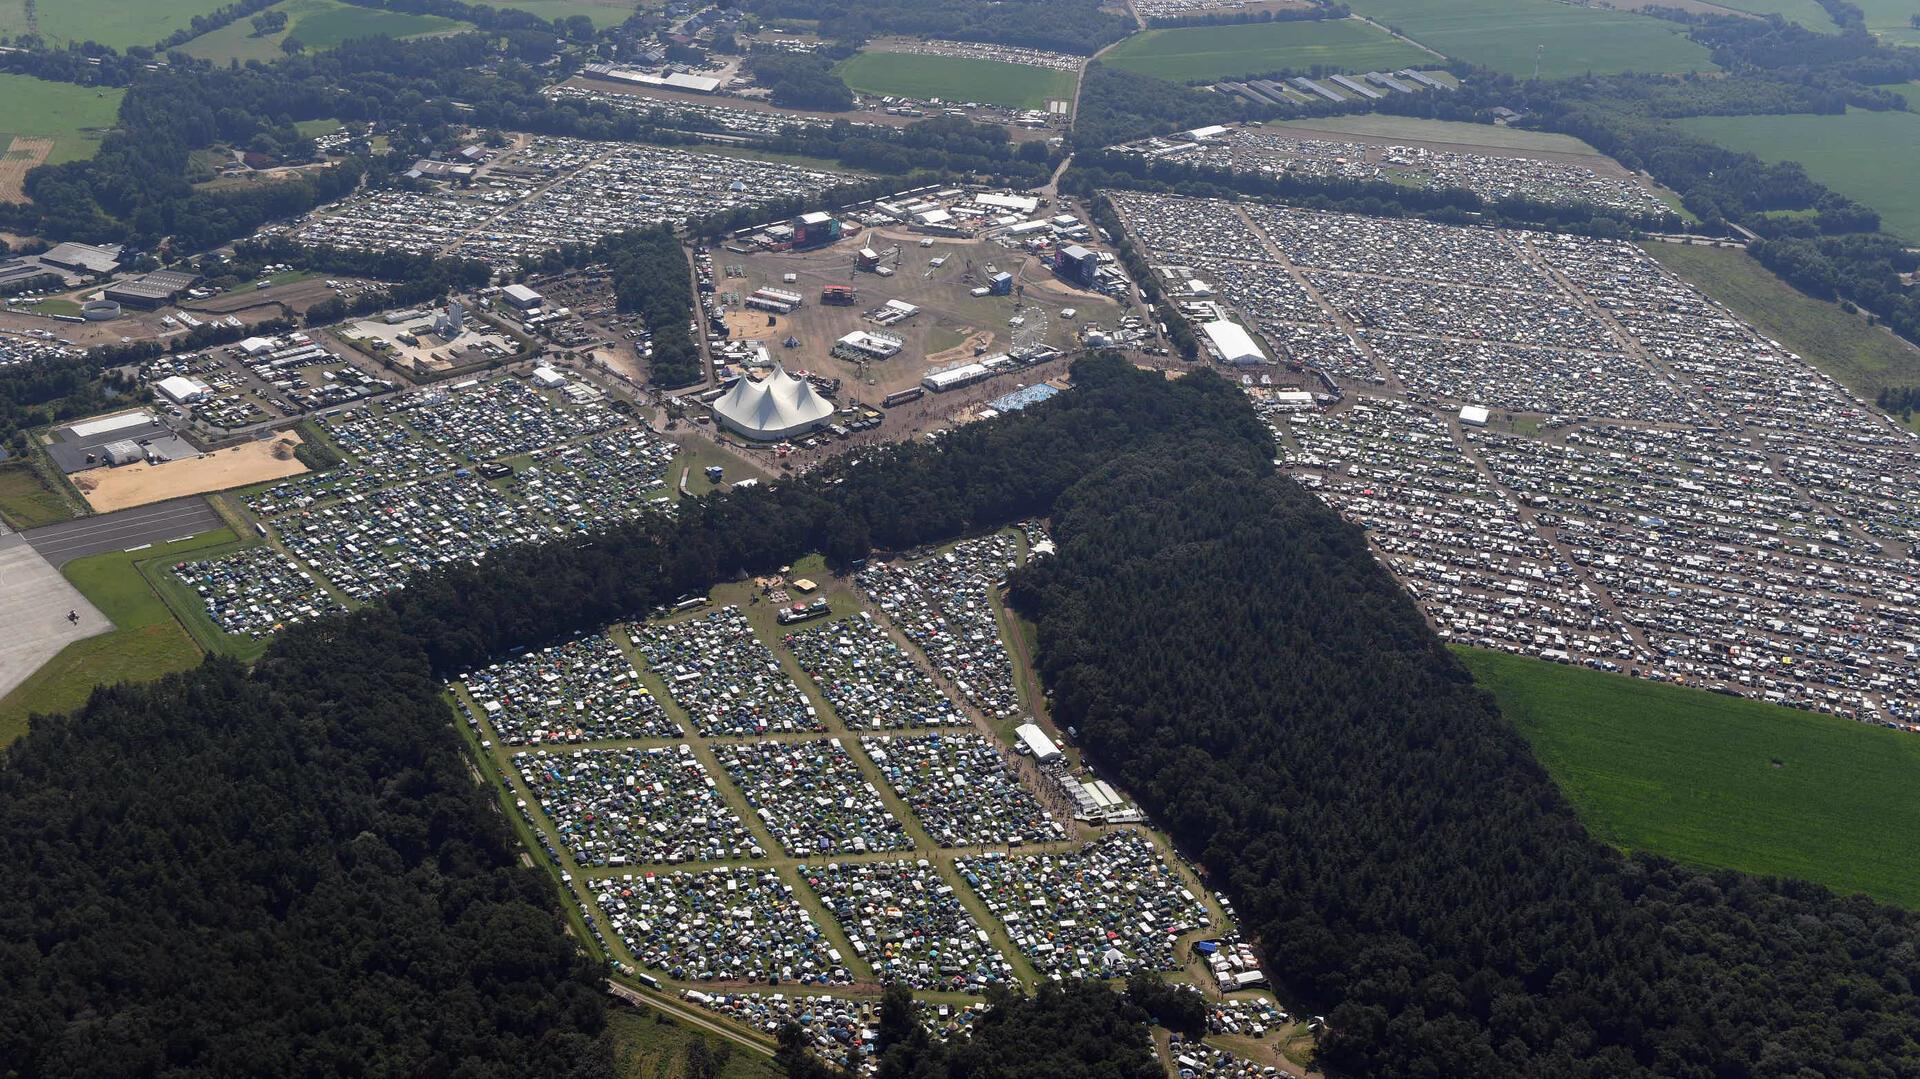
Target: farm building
<point>781,406</point>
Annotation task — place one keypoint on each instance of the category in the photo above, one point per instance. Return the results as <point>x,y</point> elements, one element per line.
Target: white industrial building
<point>1020,204</point>
<point>1232,344</point>
<point>547,378</point>
<point>182,390</point>
<point>780,406</point>
<point>522,297</point>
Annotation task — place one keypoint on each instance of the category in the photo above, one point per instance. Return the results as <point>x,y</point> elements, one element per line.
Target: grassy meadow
<point>1721,781</point>
<point>1207,53</point>
<point>117,23</point>
<point>956,78</point>
<point>76,118</point>
<point>1571,41</point>
<point>317,24</point>
<point>1870,157</point>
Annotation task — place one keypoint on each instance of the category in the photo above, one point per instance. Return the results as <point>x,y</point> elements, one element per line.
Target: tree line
<point>1231,652</point>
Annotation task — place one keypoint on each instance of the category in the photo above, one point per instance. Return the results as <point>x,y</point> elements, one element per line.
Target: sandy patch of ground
<point>750,325</point>
<point>108,489</point>
<point>965,350</point>
<point>20,157</point>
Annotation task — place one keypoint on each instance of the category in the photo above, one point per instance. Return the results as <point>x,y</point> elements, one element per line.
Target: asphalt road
<point>162,521</point>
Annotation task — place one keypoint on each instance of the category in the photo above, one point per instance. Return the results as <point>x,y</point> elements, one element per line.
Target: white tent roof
<point>779,406</point>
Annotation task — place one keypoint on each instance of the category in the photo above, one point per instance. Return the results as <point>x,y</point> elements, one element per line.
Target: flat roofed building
<point>1020,204</point>
<point>100,259</point>
<point>1232,344</point>
<point>1473,415</point>
<point>182,390</point>
<point>522,297</point>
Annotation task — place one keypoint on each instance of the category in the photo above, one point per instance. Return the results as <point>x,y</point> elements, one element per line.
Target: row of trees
<point>651,278</point>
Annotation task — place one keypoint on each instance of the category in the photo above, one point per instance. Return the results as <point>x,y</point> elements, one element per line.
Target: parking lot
<point>1549,178</point>
<point>1564,451</point>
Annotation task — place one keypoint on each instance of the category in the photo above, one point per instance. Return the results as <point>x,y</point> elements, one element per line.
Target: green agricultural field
<point>1805,12</point>
<point>317,24</point>
<point>1866,359</point>
<point>1486,136</point>
<point>1206,53</point>
<point>76,118</point>
<point>1503,35</point>
<point>1870,157</point>
<point>146,642</point>
<point>604,13</point>
<point>1721,781</point>
<point>1892,19</point>
<point>956,78</point>
<point>118,23</point>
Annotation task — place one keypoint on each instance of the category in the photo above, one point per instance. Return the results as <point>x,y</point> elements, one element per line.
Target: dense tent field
<point>1571,41</point>
<point>1865,358</point>
<point>1201,53</point>
<point>1721,781</point>
<point>74,117</point>
<point>955,78</point>
<point>1870,157</point>
<point>117,23</point>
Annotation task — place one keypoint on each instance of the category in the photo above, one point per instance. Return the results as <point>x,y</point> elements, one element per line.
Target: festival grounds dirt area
<point>108,489</point>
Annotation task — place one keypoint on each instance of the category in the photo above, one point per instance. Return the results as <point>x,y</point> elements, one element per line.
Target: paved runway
<point>34,602</point>
<point>162,521</point>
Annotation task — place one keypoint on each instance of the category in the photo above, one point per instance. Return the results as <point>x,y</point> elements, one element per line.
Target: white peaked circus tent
<point>780,406</point>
